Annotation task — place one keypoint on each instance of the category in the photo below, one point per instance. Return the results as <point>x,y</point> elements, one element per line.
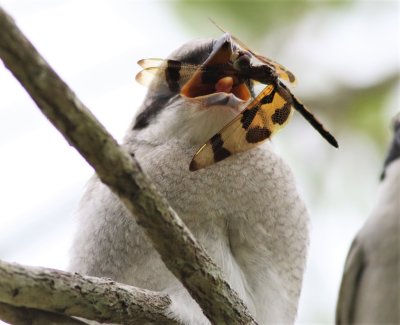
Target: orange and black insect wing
<point>229,140</point>
<point>269,114</point>
<point>266,114</point>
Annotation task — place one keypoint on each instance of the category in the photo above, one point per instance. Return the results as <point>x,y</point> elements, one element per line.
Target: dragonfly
<point>228,71</point>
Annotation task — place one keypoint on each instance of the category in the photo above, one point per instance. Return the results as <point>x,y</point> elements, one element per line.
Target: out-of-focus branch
<point>178,248</point>
<point>69,294</point>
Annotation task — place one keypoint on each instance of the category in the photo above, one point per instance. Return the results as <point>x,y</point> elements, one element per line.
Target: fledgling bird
<point>245,210</point>
<point>370,289</point>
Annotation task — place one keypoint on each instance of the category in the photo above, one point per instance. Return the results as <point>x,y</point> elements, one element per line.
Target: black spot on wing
<point>281,114</point>
<point>248,116</point>
<point>217,144</point>
<point>257,134</point>
<point>150,112</point>
<point>172,75</point>
<point>268,99</point>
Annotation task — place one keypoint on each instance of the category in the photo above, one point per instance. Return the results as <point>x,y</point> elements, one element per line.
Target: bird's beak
<point>215,82</point>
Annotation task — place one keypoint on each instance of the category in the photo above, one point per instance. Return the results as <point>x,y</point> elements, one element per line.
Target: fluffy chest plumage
<point>247,213</point>
<point>247,206</point>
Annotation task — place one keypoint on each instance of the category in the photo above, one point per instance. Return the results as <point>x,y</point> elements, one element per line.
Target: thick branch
<point>28,316</point>
<point>178,248</point>
<point>93,298</point>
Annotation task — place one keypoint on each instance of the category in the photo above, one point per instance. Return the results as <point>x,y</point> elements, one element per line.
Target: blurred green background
<point>345,55</point>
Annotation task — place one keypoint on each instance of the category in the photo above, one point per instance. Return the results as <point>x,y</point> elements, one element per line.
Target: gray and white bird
<point>370,289</point>
<point>245,210</point>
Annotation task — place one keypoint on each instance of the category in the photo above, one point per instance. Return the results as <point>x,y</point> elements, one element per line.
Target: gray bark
<point>29,316</point>
<point>69,294</point>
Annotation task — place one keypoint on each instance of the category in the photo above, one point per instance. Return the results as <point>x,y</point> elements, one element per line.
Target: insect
<point>268,112</point>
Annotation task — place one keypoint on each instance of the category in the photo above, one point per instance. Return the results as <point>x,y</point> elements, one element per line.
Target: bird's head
<point>191,105</point>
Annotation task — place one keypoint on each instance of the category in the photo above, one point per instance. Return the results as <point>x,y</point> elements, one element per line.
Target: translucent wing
<point>147,76</point>
<point>158,72</point>
<point>151,63</point>
<point>265,115</point>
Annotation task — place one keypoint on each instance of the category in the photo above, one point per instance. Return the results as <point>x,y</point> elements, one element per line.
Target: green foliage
<point>253,19</point>
<point>366,112</point>
<point>363,110</point>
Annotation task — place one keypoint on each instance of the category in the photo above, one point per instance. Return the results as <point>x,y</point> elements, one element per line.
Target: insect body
<point>230,71</point>
<point>176,74</point>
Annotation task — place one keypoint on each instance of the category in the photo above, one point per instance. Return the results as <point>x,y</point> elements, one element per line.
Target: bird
<point>370,287</point>
<point>246,210</point>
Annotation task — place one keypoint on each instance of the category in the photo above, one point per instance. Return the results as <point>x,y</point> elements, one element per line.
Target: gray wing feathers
<point>349,288</point>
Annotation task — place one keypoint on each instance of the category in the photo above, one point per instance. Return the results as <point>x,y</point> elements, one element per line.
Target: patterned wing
<point>265,115</point>
<point>158,72</point>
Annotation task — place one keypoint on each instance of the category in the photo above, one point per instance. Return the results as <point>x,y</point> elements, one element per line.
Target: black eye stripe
<point>155,106</point>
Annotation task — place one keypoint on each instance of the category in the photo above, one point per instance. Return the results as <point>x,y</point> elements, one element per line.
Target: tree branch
<point>28,316</point>
<point>179,250</point>
<point>70,294</point>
